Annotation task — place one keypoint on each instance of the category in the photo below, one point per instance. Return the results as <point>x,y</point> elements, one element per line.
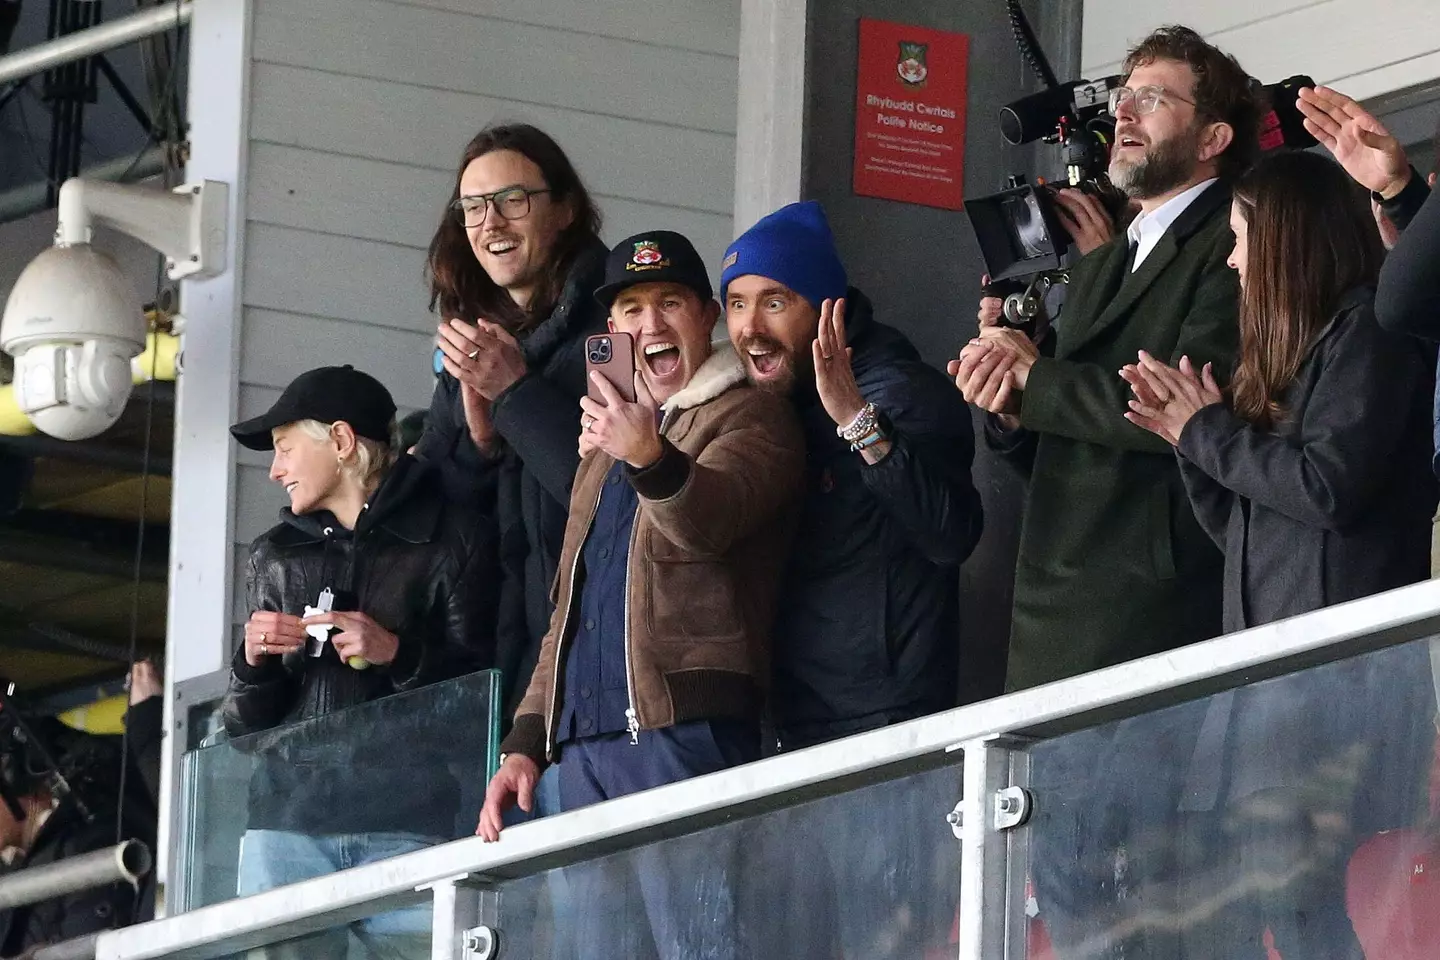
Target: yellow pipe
<point>161,353</point>
<point>13,423</point>
<point>106,716</point>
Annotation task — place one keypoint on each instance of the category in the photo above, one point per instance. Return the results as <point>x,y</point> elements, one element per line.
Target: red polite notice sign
<point>910,114</point>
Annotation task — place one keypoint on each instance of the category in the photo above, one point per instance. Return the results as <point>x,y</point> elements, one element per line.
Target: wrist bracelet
<point>865,423</point>
<point>874,437</point>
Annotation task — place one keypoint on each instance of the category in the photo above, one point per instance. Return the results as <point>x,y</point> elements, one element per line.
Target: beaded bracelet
<point>874,437</point>
<point>866,422</point>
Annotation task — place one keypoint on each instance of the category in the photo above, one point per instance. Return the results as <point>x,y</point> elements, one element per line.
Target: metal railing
<point>85,43</point>
<point>459,878</point>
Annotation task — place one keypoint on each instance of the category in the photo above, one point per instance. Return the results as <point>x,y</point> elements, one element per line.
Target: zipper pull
<point>632,724</point>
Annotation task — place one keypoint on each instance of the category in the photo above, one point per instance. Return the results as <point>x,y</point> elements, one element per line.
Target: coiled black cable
<point>1029,46</point>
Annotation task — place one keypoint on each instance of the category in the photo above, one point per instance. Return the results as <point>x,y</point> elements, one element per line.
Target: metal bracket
<point>466,919</point>
<point>481,943</point>
<point>993,857</point>
<point>1012,808</point>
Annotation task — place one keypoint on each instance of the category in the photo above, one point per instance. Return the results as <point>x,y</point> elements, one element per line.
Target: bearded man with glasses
<point>1113,565</point>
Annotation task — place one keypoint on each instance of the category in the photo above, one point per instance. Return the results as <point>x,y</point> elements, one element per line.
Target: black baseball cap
<point>326,394</point>
<point>660,256</point>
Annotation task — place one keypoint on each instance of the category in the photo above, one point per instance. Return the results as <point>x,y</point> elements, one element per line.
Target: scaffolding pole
<point>87,43</point>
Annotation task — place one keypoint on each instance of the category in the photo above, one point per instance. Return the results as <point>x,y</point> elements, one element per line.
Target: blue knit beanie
<point>793,246</point>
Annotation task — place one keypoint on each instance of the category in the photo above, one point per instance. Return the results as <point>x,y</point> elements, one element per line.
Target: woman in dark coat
<point>1312,473</point>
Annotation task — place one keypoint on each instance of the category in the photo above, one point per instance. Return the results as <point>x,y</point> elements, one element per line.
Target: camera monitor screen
<point>1017,234</point>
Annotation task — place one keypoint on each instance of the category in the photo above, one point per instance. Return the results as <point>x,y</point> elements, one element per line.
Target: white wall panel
<point>1364,47</point>
<point>293,343</point>
<point>616,156</point>
<point>358,112</point>
<point>707,27</point>
<point>471,53</point>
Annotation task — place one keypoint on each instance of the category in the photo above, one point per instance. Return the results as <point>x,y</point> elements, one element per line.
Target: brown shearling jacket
<point>711,537</point>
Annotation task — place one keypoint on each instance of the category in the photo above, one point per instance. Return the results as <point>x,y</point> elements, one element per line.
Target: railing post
<point>993,805</point>
<point>466,920</point>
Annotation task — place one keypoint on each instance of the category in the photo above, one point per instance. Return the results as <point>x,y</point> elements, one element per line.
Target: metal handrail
<point>1154,682</point>
<point>97,39</point>
<point>126,862</point>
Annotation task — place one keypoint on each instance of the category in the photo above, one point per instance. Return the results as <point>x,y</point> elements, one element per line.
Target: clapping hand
<point>1166,398</point>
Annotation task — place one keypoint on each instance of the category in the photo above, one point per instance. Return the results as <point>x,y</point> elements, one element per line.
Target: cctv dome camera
<point>73,323</point>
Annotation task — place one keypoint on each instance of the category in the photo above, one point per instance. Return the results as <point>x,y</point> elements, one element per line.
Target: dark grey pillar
<point>920,265</point>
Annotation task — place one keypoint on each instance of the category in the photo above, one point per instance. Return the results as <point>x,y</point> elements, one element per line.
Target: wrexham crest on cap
<point>647,256</point>
<point>911,63</point>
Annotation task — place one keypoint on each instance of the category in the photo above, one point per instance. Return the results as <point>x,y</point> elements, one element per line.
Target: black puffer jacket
<point>869,630</point>
<point>526,487</point>
<point>420,567</point>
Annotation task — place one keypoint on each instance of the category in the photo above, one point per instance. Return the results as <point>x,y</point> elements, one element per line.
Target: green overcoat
<point>1113,565</point>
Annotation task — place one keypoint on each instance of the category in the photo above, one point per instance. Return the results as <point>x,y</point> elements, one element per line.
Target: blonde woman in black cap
<point>406,583</point>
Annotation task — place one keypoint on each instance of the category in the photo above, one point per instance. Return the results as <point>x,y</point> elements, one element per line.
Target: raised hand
<point>1358,141</point>
<point>834,375</point>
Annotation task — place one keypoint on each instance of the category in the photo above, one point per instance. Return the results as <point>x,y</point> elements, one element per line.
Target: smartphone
<point>613,355</point>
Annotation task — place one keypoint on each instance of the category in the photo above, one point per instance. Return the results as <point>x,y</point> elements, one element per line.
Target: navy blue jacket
<point>869,629</point>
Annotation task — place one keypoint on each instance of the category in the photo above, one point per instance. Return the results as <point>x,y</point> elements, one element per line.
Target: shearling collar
<point>720,371</point>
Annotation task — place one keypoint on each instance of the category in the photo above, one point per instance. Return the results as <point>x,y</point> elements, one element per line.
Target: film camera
<point>1021,236</point>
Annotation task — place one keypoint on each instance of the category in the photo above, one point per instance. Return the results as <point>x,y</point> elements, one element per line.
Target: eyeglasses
<point>1143,100</point>
<point>512,203</point>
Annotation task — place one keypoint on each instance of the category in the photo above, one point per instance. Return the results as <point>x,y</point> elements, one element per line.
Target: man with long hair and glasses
<point>512,268</point>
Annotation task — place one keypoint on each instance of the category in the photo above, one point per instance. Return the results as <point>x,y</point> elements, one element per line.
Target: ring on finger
<point>264,650</point>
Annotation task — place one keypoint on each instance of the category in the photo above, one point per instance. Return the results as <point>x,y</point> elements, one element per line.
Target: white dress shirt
<point>1146,230</point>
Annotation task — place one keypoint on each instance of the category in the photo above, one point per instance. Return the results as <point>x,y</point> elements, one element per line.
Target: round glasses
<point>1142,100</point>
<point>512,203</point>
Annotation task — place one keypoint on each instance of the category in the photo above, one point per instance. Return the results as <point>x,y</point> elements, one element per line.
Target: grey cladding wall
<point>358,113</point>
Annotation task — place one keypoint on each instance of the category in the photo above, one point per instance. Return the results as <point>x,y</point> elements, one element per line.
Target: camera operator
<point>1113,564</point>
<point>50,813</point>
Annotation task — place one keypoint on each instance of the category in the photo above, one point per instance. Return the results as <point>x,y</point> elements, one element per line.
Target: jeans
<point>274,858</point>
<point>536,921</point>
<point>685,889</point>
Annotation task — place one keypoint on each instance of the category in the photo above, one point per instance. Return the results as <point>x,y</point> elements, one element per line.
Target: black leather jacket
<point>421,567</point>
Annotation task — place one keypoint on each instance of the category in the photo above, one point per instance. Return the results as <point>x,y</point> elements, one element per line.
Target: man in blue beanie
<point>869,627</point>
<point>868,631</point>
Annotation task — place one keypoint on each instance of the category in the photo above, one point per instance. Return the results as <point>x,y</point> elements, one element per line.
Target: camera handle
<point>1026,311</point>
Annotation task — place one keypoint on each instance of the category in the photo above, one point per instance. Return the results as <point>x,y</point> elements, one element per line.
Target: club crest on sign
<point>911,63</point>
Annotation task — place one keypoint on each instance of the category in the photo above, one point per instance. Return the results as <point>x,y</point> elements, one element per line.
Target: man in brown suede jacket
<point>657,659</point>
